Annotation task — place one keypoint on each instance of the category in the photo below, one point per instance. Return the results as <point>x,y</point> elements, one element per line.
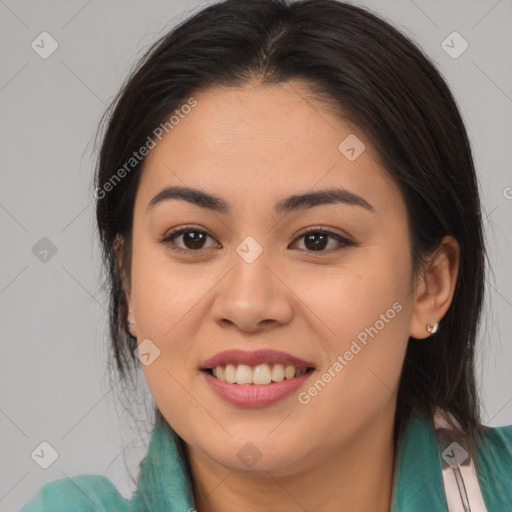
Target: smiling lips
<point>255,378</point>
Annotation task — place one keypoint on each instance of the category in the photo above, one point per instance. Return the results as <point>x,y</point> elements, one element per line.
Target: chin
<point>258,454</point>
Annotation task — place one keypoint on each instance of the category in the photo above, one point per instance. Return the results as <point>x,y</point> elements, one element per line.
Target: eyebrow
<point>291,203</point>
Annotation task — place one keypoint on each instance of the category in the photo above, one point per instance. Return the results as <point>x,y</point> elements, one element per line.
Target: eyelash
<point>168,239</point>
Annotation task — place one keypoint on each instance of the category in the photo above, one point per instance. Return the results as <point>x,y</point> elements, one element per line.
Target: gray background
<point>53,316</point>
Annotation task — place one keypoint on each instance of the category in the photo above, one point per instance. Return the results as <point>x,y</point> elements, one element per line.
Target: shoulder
<point>496,443</point>
<point>494,465</point>
<point>84,493</point>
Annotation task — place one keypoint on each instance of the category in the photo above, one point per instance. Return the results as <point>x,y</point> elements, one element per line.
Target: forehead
<point>263,141</point>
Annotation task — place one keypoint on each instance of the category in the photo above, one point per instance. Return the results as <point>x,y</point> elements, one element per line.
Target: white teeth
<point>243,374</point>
<point>261,374</point>
<point>289,372</point>
<point>277,373</point>
<point>230,373</point>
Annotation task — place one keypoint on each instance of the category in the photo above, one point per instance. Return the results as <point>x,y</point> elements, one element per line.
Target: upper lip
<point>253,358</point>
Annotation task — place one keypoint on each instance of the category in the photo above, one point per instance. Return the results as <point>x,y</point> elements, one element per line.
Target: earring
<point>130,323</point>
<point>432,329</point>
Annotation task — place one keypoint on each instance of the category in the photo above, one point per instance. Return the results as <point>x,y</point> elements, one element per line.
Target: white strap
<point>462,489</point>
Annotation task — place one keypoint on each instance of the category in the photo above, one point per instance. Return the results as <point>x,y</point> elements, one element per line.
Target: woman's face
<point>245,277</point>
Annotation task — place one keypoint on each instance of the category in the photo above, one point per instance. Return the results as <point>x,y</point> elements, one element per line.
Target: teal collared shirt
<point>164,484</point>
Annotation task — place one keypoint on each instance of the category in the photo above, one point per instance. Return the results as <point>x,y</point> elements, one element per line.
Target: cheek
<point>168,300</point>
<point>164,293</point>
<point>352,296</point>
<point>364,308</point>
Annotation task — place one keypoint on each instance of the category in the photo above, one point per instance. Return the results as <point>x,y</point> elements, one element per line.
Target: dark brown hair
<point>382,83</point>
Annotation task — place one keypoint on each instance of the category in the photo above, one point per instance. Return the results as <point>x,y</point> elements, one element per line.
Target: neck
<point>356,478</point>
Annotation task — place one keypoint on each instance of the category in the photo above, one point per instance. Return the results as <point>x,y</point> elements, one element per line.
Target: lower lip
<point>252,395</point>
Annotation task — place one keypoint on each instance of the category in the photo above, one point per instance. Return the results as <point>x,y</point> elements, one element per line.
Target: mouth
<point>257,367</point>
<point>257,375</point>
<point>256,378</point>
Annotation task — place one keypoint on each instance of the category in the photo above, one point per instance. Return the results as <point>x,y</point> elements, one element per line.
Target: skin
<point>252,146</point>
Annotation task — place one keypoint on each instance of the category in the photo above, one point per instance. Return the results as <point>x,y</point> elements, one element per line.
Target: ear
<point>435,287</point>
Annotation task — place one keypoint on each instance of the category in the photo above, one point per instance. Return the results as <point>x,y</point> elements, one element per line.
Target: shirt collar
<point>418,480</point>
<point>164,483</point>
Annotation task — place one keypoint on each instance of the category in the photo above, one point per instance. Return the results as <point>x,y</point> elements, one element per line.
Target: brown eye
<point>193,239</point>
<point>316,240</point>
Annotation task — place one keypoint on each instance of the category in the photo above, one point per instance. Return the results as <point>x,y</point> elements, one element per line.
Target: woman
<point>291,224</point>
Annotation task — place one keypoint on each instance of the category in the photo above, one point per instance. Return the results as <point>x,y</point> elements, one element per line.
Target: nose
<point>253,296</point>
